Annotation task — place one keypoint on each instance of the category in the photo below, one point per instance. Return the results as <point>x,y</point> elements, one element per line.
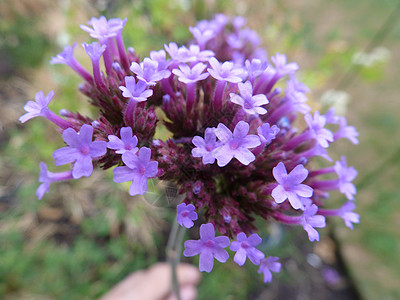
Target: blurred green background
<point>84,237</point>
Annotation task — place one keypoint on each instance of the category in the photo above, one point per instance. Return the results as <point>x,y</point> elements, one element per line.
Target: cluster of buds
<point>234,153</point>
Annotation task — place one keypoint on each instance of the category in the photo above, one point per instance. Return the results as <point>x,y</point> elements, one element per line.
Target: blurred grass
<point>99,237</point>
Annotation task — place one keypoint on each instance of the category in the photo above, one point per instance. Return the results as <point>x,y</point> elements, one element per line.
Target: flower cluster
<point>235,153</point>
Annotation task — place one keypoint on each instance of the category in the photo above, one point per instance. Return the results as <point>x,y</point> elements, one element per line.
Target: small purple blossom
<point>347,132</point>
<point>209,247</point>
<point>136,91</point>
<point>81,150</point>
<point>295,92</point>
<point>250,104</point>
<point>66,57</point>
<point>190,75</point>
<point>225,71</point>
<point>268,265</point>
<point>289,185</point>
<point>138,169</point>
<point>349,217</point>
<point>94,50</point>
<point>202,37</point>
<point>282,68</point>
<point>37,108</point>
<point>127,142</point>
<point>255,67</point>
<point>267,133</point>
<point>346,176</point>
<point>310,219</point>
<point>205,147</point>
<point>331,118</point>
<point>186,215</point>
<point>46,178</point>
<point>161,57</point>
<point>316,126</point>
<point>235,145</point>
<point>178,54</point>
<point>194,54</point>
<point>246,247</point>
<point>103,28</point>
<point>148,71</point>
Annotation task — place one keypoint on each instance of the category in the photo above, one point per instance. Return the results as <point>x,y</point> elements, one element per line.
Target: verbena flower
<point>186,215</point>
<point>209,247</point>
<point>136,91</point>
<point>246,247</point>
<point>251,104</point>
<point>235,145</point>
<point>80,150</point>
<point>127,142</point>
<point>289,185</point>
<point>310,219</point>
<point>190,75</point>
<point>223,100</point>
<point>224,71</point>
<point>148,72</point>
<point>205,147</point>
<point>268,265</point>
<point>46,178</point>
<point>138,169</point>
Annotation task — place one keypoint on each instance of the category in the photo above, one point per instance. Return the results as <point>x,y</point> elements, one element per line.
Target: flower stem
<point>173,254</point>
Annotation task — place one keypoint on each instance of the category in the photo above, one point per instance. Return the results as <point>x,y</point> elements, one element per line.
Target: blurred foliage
<point>20,46</point>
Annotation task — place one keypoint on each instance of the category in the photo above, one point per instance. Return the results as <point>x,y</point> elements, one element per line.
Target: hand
<point>155,284</point>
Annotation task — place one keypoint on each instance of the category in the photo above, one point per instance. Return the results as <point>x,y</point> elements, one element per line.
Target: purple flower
<point>177,54</point>
<point>267,265</point>
<point>225,71</point>
<point>46,178</point>
<point>186,215</point>
<point>238,22</point>
<point>202,37</point>
<point>148,71</point>
<point>190,75</point>
<point>94,50</point>
<point>316,126</point>
<point>309,220</point>
<point>127,142</point>
<point>295,92</point>
<point>66,57</point>
<point>346,176</point>
<point>255,67</point>
<point>161,57</point>
<point>236,144</point>
<point>209,247</point>
<point>135,91</point>
<point>245,247</point>
<point>281,67</point>
<point>103,28</point>
<point>349,217</point>
<point>80,151</point>
<point>331,117</point>
<point>251,104</point>
<point>289,185</point>
<point>205,147</point>
<point>138,169</point>
<point>37,108</point>
<point>348,132</point>
<point>194,54</point>
<point>267,133</point>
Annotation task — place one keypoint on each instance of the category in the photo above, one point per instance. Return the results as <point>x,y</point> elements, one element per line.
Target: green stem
<point>174,247</point>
